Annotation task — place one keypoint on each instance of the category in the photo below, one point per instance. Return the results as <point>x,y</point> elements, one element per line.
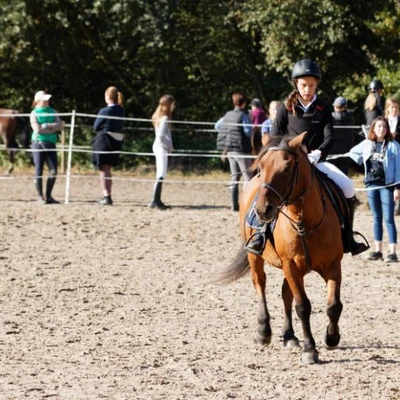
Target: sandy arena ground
<point>115,303</point>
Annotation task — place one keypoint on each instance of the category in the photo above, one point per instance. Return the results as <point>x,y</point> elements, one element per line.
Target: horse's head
<point>283,175</point>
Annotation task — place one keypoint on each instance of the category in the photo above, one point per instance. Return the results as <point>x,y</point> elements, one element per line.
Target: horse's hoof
<point>264,340</point>
<point>330,342</point>
<point>292,344</point>
<point>309,357</point>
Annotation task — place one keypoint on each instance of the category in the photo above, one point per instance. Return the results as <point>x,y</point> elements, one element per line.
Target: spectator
<point>392,113</point>
<point>234,131</point>
<point>162,146</point>
<point>45,125</point>
<point>257,118</point>
<point>267,125</point>
<point>304,111</point>
<point>344,137</point>
<point>108,140</point>
<point>380,155</point>
<point>375,102</point>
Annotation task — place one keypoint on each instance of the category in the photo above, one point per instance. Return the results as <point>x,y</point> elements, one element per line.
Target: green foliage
<point>197,51</point>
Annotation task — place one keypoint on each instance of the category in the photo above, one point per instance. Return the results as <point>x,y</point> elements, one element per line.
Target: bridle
<point>285,197</point>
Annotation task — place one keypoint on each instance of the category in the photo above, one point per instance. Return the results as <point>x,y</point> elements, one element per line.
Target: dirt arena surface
<point>115,303</point>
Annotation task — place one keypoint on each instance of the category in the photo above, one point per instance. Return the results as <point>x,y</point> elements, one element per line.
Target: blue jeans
<point>382,206</point>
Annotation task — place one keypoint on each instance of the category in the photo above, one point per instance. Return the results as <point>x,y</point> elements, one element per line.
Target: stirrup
<point>259,249</point>
<point>360,247</point>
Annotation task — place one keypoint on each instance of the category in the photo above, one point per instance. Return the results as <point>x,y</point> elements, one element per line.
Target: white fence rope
<point>177,153</point>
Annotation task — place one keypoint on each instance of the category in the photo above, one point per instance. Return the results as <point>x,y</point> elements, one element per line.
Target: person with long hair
<point>162,145</point>
<point>304,111</point>
<point>392,114</point>
<point>380,155</point>
<point>44,138</point>
<point>108,140</point>
<point>375,102</point>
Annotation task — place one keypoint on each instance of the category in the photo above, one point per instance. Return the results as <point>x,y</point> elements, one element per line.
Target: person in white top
<point>162,146</point>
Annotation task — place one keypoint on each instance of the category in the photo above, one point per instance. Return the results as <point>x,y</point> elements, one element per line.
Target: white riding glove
<point>314,156</point>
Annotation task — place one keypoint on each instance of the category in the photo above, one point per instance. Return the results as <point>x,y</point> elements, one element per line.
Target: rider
<point>304,111</point>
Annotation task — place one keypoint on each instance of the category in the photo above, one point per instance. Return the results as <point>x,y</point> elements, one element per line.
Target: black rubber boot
<point>353,247</point>
<point>156,201</point>
<point>49,186</point>
<point>256,242</point>
<point>235,198</point>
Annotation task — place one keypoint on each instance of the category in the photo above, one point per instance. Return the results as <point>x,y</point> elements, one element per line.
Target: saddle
<point>335,195</point>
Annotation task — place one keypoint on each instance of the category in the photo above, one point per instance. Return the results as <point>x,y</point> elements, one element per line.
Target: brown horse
<point>306,237</point>
<point>10,128</point>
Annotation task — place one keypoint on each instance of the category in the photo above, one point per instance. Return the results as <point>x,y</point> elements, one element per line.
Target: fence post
<point>71,140</point>
<point>62,160</point>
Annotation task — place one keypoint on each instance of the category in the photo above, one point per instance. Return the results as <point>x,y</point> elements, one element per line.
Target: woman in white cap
<point>45,125</point>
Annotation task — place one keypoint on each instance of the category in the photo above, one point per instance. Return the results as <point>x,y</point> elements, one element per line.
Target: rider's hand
<point>314,156</point>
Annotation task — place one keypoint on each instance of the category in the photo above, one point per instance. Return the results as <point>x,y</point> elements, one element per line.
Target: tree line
<point>198,51</point>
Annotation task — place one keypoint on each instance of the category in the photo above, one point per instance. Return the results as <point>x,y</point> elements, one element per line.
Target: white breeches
<point>342,180</point>
<point>161,161</point>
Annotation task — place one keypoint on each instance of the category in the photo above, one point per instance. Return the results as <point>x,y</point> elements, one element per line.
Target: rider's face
<point>307,86</point>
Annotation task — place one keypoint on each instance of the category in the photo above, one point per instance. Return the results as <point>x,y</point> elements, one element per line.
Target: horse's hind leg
<point>334,309</point>
<point>259,281</point>
<point>290,341</point>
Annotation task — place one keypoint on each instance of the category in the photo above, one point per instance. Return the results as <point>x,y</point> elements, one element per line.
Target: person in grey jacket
<point>380,155</point>
<point>234,132</point>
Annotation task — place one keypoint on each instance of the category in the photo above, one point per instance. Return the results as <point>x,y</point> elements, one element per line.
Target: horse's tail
<point>237,269</point>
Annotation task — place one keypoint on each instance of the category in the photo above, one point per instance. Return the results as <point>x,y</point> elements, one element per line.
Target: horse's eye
<point>287,169</point>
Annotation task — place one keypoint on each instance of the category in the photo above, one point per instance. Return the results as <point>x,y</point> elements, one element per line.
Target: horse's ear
<point>297,141</point>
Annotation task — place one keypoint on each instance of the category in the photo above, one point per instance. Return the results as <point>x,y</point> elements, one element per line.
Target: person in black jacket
<point>108,140</point>
<point>343,119</point>
<point>304,111</point>
<point>375,102</point>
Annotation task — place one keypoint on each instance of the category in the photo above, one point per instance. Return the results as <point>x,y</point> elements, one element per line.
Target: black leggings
<point>40,158</point>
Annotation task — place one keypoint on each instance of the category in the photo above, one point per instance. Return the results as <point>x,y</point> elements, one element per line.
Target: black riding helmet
<point>376,84</point>
<point>306,68</point>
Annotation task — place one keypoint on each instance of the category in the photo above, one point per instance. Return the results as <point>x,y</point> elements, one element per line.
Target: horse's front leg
<point>290,341</point>
<point>259,281</point>
<point>334,308</point>
<point>295,280</point>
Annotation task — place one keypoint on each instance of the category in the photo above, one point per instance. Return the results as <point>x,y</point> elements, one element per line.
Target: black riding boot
<point>39,188</point>
<point>156,201</point>
<point>353,247</point>
<point>256,242</point>
<point>235,198</point>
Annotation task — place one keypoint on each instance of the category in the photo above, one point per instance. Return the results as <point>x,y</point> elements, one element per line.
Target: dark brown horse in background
<point>306,237</point>
<point>12,127</point>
